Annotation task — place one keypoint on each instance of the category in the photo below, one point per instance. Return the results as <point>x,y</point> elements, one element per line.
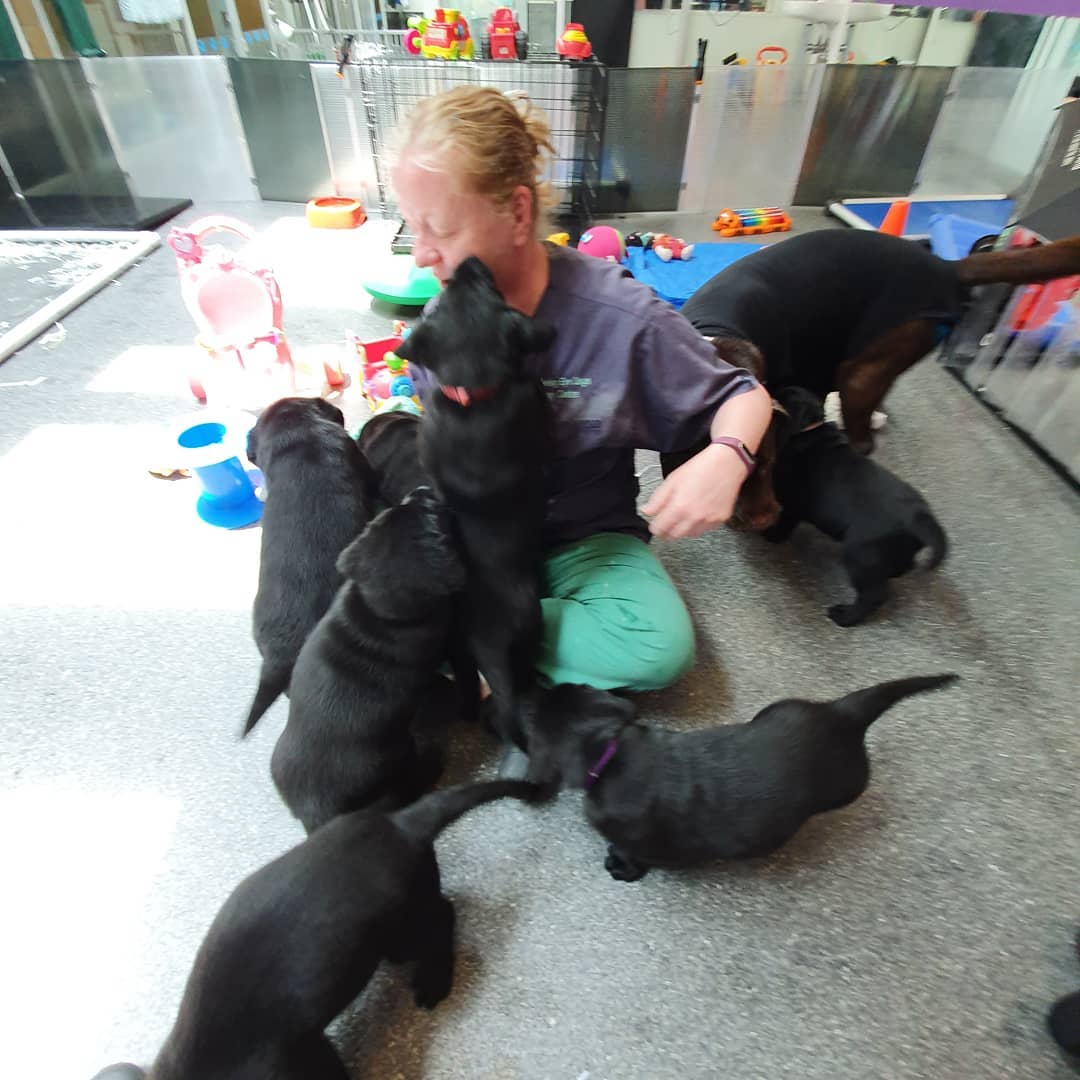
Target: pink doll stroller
<point>236,305</point>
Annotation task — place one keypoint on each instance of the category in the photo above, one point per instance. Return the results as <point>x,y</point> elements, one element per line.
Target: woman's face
<point>450,225</point>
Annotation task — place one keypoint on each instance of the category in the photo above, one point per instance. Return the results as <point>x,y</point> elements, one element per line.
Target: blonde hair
<point>494,141</point>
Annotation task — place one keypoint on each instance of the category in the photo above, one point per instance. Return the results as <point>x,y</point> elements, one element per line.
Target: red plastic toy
<point>573,44</point>
<point>504,39</point>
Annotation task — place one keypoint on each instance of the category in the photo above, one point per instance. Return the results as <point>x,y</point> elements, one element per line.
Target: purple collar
<point>602,763</point>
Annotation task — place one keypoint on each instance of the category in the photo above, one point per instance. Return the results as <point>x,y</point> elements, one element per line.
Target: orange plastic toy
<point>335,213</point>
<point>751,221</point>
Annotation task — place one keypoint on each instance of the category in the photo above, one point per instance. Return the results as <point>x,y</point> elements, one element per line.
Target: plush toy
<point>668,248</point>
<point>604,242</point>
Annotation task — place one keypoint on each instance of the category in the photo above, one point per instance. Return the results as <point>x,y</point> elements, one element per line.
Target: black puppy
<point>680,799</point>
<point>299,939</point>
<point>881,521</point>
<point>484,440</point>
<point>390,442</point>
<point>362,672</point>
<point>1064,1019</point>
<point>318,498</point>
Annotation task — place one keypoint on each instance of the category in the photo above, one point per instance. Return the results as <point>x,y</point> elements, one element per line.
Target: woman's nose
<point>424,254</point>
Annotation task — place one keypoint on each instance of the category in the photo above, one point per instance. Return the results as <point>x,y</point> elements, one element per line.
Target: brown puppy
<point>852,310</point>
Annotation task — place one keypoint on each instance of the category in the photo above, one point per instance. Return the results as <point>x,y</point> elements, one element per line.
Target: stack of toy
<point>384,376</point>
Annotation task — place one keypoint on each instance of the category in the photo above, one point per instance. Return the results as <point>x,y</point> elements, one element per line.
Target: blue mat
<point>677,281</point>
<point>993,212</point>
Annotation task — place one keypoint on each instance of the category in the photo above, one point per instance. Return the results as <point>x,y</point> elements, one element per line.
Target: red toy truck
<point>503,39</point>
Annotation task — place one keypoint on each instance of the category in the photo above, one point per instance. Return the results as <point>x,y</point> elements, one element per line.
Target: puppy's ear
<point>530,335</point>
<point>417,345</point>
<point>330,412</point>
<point>351,562</point>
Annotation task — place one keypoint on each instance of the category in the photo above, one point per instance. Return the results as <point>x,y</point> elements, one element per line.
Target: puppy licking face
<point>473,338</point>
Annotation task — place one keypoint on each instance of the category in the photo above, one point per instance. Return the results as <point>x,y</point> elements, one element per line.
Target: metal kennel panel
<point>748,136</point>
<point>870,131</point>
<point>346,130</point>
<point>174,125</point>
<point>645,129</point>
<point>991,127</point>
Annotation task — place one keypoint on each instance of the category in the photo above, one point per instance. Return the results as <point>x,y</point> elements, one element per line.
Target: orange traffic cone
<point>896,218</point>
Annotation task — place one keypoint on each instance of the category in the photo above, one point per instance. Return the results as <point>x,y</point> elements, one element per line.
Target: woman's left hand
<point>697,496</point>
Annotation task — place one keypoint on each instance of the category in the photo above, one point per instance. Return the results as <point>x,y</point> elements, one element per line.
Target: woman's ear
<point>523,214</point>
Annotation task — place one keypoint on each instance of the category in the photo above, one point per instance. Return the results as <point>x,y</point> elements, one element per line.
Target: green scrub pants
<point>613,618</point>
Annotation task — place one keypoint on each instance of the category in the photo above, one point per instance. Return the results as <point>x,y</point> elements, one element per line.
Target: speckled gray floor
<point>920,933</point>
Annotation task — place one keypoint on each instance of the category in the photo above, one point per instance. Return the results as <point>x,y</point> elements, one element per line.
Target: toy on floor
<point>604,242</point>
<point>236,304</point>
<point>401,282</point>
<point>334,212</point>
<point>896,217</point>
<point>573,43</point>
<point>560,238</point>
<point>666,247</point>
<point>385,381</point>
<point>445,37</point>
<point>503,39</point>
<point>772,54</point>
<point>211,449</point>
<point>751,221</point>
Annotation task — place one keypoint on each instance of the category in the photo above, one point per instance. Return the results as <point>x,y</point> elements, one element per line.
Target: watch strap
<point>740,448</point>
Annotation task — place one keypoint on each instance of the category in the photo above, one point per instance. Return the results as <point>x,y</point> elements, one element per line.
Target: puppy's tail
<point>427,817</point>
<point>1022,266</point>
<point>273,682</point>
<point>860,709</point>
<point>927,529</point>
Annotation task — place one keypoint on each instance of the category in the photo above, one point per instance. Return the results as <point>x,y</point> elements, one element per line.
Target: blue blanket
<point>677,281</point>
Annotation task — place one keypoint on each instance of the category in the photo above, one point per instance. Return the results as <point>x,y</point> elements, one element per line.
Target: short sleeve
<point>678,381</point>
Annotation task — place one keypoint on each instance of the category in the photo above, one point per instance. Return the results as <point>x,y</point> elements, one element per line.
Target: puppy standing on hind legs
<point>485,439</point>
<point>362,673</point>
<point>319,498</point>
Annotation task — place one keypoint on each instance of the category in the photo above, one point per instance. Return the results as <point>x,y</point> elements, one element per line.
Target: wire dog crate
<point>361,110</point>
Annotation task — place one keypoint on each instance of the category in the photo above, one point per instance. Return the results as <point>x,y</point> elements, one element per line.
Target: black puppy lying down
<point>299,939</point>
<point>680,799</point>
<point>317,500</point>
<point>359,678</point>
<point>484,440</point>
<point>881,521</point>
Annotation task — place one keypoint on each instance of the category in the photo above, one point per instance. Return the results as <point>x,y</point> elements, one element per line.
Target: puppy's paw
<point>432,985</point>
<point>623,868</point>
<point>845,614</point>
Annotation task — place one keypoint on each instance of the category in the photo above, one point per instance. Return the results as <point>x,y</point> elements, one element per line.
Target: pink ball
<point>604,242</point>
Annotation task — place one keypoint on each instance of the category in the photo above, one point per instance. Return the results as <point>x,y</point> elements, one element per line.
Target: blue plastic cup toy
<point>228,497</point>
